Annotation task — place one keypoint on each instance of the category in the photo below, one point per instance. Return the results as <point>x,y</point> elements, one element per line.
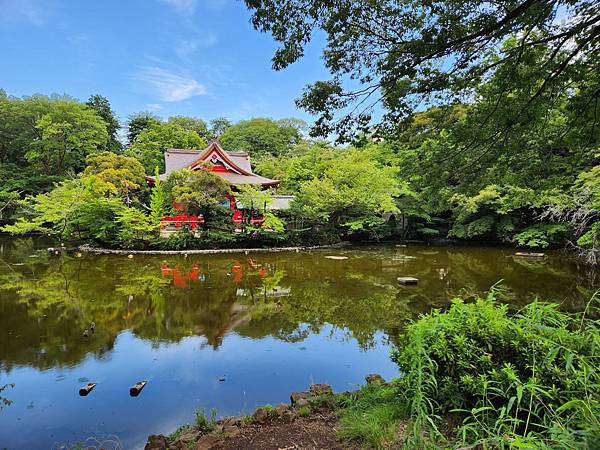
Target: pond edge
<point>107,251</point>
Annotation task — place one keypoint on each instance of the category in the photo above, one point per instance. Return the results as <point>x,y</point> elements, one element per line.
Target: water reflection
<point>312,315</point>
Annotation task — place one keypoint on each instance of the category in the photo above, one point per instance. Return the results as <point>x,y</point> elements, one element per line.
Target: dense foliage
<point>529,380</point>
<point>263,136</point>
<point>476,376</point>
<point>405,54</point>
<point>514,159</point>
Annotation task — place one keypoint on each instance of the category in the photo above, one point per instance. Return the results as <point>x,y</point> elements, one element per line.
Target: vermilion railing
<point>182,219</point>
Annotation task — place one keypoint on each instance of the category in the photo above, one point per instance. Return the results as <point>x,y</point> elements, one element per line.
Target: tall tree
<point>150,144</point>
<point>218,125</point>
<point>400,55</point>
<point>68,132</point>
<point>101,105</point>
<point>123,175</point>
<point>137,123</point>
<point>261,136</point>
<point>194,124</point>
<point>199,191</point>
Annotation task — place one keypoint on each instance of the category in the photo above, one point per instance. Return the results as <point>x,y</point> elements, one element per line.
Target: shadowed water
<point>230,332</point>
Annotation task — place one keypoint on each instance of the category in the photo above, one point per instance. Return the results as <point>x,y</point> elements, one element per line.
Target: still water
<point>229,332</point>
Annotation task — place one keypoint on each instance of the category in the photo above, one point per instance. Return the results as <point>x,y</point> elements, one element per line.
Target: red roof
<point>233,167</point>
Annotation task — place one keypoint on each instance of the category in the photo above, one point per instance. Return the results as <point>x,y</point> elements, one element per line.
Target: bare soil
<point>315,432</point>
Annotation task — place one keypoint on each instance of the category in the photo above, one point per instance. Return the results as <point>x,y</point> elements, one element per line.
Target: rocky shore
<point>309,421</point>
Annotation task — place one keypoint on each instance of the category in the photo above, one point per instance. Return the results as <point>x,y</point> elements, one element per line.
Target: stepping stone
<point>530,255</point>
<point>407,280</point>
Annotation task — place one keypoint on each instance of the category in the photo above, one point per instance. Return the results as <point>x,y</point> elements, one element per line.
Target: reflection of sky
<point>182,377</point>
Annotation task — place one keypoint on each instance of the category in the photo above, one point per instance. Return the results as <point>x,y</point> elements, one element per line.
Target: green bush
<point>529,380</point>
<point>543,235</point>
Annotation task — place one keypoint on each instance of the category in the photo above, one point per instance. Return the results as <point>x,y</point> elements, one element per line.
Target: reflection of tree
<point>47,301</point>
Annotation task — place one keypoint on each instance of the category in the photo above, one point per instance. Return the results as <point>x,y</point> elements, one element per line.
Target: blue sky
<point>198,58</point>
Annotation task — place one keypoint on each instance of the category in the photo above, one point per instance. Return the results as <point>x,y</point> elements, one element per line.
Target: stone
<point>207,442</point>
<point>301,402</point>
<point>288,416</point>
<point>85,390</point>
<point>156,442</point>
<point>230,431</point>
<point>184,440</point>
<point>261,415</point>
<point>230,421</point>
<point>320,389</point>
<point>135,390</point>
<point>374,378</point>
<point>336,257</point>
<point>281,408</point>
<point>295,396</point>
<point>407,280</point>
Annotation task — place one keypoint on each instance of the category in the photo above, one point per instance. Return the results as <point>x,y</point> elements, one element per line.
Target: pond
<point>229,332</point>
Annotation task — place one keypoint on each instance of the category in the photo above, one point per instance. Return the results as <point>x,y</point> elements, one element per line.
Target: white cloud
<point>183,6</point>
<point>22,10</point>
<point>170,86</point>
<point>153,106</point>
<point>187,47</point>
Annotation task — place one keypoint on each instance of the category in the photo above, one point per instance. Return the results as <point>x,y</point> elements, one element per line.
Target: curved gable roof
<point>232,159</point>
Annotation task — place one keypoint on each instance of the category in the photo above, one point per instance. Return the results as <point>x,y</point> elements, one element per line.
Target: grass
<point>479,377</point>
<point>304,411</point>
<point>179,432</point>
<point>372,417</point>
<point>203,421</point>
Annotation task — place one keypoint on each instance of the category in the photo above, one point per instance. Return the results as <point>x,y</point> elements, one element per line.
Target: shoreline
<point>107,251</point>
<point>311,419</point>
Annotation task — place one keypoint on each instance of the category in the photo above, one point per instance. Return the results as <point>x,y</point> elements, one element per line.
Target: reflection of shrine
<point>223,293</point>
<point>182,278</point>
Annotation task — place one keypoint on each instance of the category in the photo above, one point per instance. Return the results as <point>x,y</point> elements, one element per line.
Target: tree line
<point>468,170</point>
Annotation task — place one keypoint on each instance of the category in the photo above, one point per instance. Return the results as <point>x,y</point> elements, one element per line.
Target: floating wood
<point>336,257</point>
<point>407,280</point>
<point>135,390</point>
<point>87,389</point>
<point>530,255</point>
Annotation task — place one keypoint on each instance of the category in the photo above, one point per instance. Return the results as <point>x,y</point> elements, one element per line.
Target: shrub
<point>526,380</point>
<point>543,235</point>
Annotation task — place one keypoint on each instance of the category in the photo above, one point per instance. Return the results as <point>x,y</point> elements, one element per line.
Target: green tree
<point>123,174</point>
<point>101,105</point>
<point>159,200</point>
<point>194,124</point>
<point>261,137</point>
<point>219,125</point>
<point>150,144</point>
<point>200,191</point>
<point>354,193</point>
<point>402,54</point>
<point>68,132</point>
<point>136,123</point>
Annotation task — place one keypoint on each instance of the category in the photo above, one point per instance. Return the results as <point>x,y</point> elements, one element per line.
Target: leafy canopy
<point>354,192</point>
<point>398,55</point>
<point>198,191</point>
<point>261,136</point>
<point>149,145</point>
